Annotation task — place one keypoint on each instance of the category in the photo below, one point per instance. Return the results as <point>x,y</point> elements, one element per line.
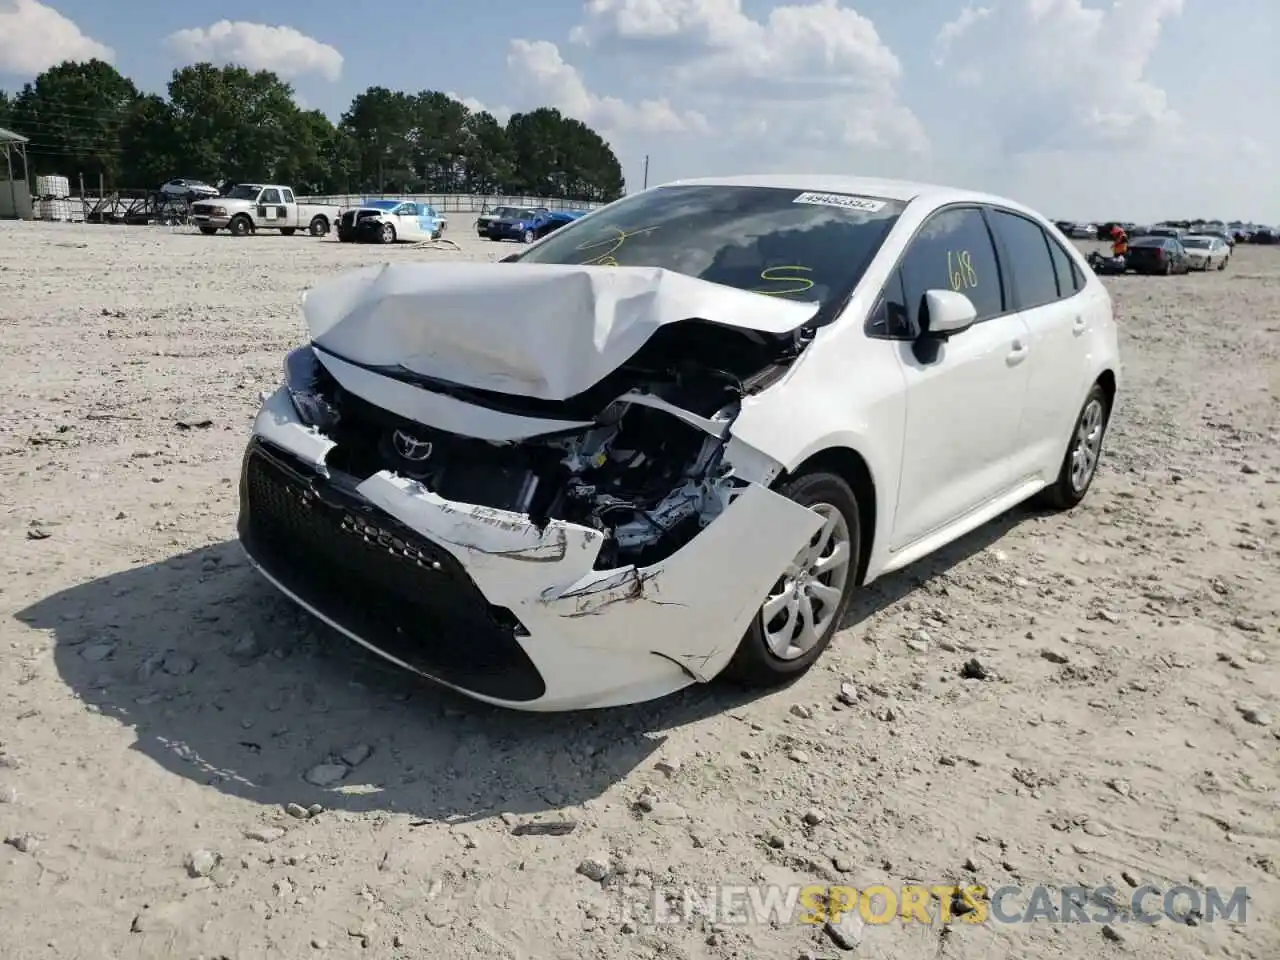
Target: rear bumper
<point>484,601</point>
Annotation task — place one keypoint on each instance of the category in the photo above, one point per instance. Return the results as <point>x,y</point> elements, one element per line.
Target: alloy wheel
<point>1087,447</point>
<point>802,604</point>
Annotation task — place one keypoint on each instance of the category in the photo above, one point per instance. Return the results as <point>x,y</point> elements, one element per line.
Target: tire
<point>529,236</point>
<point>319,226</point>
<point>240,226</point>
<point>1223,264</point>
<point>288,231</point>
<point>387,234</point>
<point>208,231</point>
<point>1087,435</point>
<point>758,664</point>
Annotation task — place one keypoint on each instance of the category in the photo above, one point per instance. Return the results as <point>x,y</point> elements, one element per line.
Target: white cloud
<point>501,114</point>
<point>35,37</point>
<point>1066,76</point>
<point>284,50</point>
<point>809,73</point>
<point>550,79</point>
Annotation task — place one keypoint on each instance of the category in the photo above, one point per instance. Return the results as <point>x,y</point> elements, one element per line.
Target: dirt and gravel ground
<point>161,708</point>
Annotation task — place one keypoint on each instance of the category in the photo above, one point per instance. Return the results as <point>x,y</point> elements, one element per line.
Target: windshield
<point>521,214</point>
<point>785,243</point>
<point>501,212</point>
<point>244,191</point>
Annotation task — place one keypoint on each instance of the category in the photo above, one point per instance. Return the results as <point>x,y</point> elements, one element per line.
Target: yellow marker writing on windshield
<point>786,275</point>
<point>606,258</point>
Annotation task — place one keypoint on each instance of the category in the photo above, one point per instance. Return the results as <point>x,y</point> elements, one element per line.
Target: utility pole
<point>646,172</point>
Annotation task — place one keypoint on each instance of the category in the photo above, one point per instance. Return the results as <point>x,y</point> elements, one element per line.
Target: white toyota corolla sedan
<point>673,438</point>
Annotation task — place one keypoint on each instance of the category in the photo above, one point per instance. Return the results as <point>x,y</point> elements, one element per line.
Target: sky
<point>1083,109</point>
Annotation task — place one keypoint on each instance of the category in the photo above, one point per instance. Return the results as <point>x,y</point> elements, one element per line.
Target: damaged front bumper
<point>486,602</point>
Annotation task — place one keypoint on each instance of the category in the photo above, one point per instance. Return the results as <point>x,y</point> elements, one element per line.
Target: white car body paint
<point>1207,257</point>
<point>413,222</point>
<point>949,444</point>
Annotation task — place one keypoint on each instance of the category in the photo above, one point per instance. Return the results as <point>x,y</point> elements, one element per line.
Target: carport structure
<point>9,143</point>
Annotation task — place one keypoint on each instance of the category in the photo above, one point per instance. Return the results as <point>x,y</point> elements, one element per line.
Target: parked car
<point>189,190</point>
<point>674,438</point>
<point>1164,230</point>
<point>488,216</point>
<point>528,224</point>
<point>1084,231</point>
<point>1205,252</point>
<point>249,207</point>
<point>389,221</point>
<point>1267,235</point>
<point>1156,253</point>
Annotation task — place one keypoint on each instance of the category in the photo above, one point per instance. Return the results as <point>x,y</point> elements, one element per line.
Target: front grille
<point>202,208</point>
<point>389,585</point>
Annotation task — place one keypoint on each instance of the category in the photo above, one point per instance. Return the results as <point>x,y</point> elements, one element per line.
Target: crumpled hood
<point>547,331</point>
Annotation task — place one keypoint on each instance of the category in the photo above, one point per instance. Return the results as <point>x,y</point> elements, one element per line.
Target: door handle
<point>1079,326</point>
<point>1017,354</point>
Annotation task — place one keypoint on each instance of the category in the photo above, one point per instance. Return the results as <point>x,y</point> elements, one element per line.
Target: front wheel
<point>806,605</point>
<point>241,226</point>
<point>387,234</point>
<point>1223,264</point>
<point>1080,465</point>
<point>530,236</point>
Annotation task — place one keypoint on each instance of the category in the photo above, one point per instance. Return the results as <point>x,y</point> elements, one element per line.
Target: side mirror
<point>947,313</point>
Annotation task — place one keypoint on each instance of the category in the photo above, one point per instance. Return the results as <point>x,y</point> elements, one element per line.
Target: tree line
<point>231,124</point>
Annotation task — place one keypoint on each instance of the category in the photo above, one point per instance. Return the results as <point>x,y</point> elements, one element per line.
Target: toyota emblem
<point>410,447</point>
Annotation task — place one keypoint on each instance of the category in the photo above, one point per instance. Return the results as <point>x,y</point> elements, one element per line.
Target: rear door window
<point>1025,252</point>
<point>1068,274</point>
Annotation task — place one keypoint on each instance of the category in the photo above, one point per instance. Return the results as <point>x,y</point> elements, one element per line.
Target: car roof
<point>902,190</point>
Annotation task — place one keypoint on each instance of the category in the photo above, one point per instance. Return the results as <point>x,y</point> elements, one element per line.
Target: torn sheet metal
<point>278,423</point>
<point>691,608</point>
<point>547,331</point>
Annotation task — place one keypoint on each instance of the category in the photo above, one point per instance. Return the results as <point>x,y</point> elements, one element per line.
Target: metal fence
<point>454,202</point>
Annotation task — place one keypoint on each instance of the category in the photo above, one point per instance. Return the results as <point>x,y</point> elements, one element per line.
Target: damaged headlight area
<point>311,388</point>
<point>649,473</point>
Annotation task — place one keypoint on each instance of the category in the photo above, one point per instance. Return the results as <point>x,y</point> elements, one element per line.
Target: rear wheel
<point>319,226</point>
<point>805,607</point>
<point>1080,465</point>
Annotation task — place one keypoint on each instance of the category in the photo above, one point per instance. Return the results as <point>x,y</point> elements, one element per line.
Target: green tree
<point>380,123</point>
<point>313,162</point>
<point>149,145</point>
<point>439,140</point>
<point>73,114</point>
<point>6,109</point>
<point>488,164</point>
<point>232,124</point>
<point>557,156</point>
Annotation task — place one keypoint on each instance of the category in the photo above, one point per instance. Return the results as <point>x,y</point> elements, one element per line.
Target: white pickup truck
<point>249,207</point>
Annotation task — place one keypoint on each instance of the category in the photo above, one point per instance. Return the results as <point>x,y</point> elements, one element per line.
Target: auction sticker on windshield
<point>848,201</point>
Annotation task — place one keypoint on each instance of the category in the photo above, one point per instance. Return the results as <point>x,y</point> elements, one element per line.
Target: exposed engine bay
<point>649,472</point>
